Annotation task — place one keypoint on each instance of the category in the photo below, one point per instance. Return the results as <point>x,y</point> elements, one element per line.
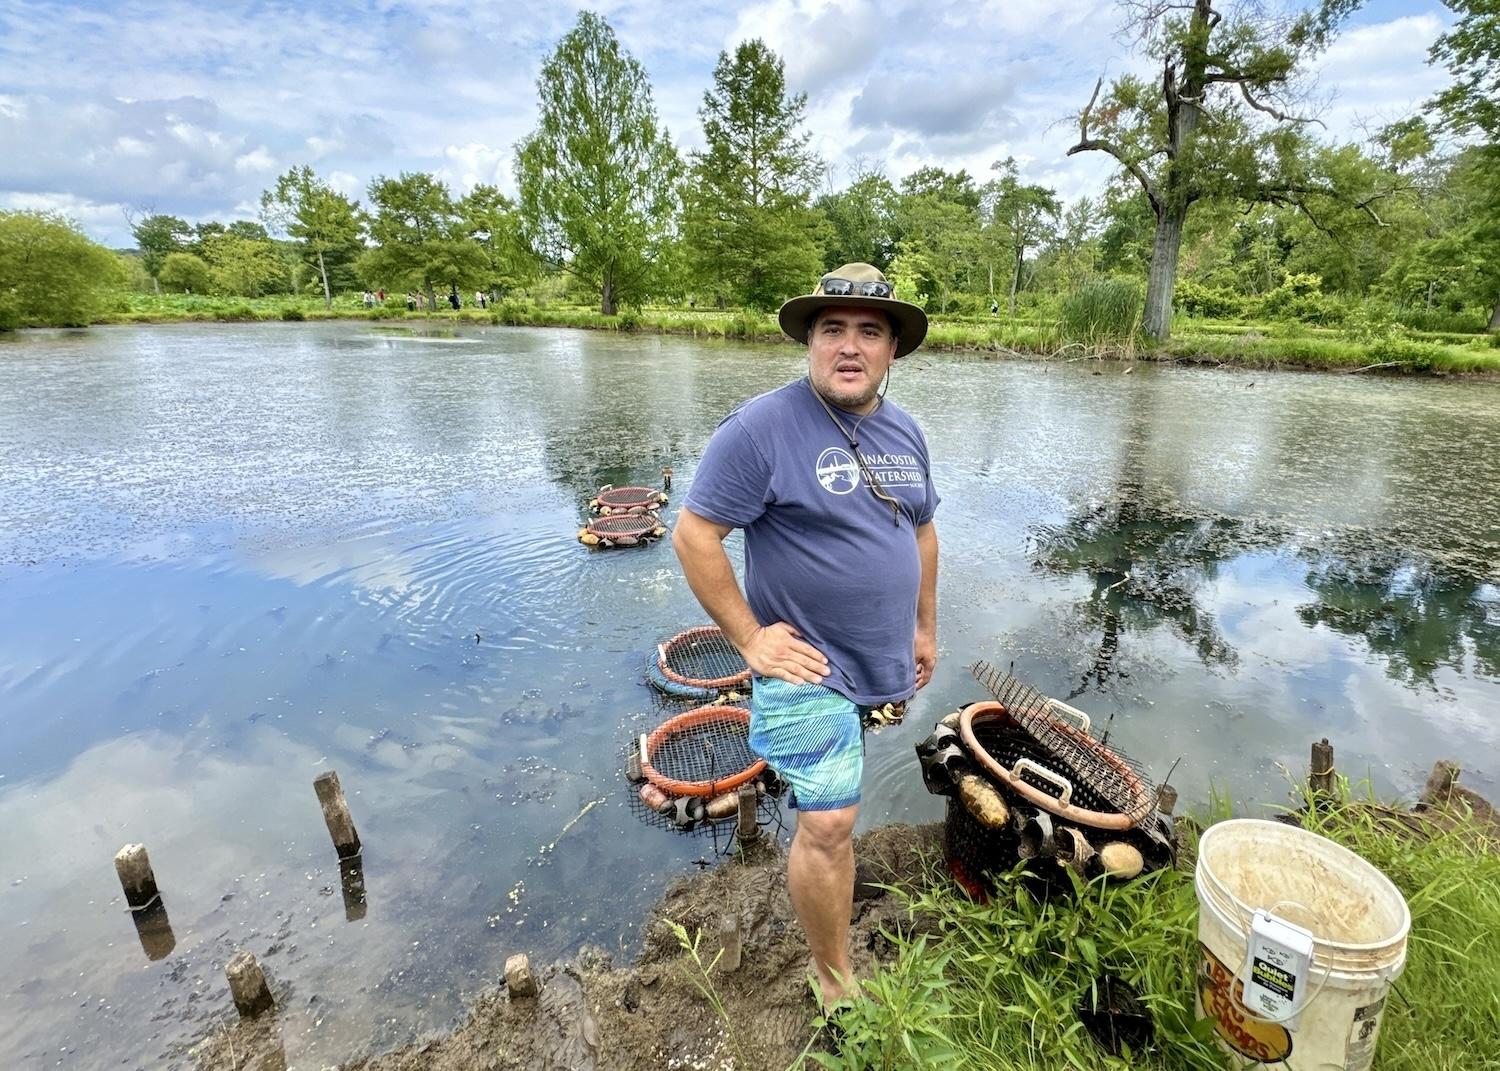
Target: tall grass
<point>995,987</point>
<point>1102,311</point>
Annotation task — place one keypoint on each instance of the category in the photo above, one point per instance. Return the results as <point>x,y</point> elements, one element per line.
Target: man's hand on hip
<point>926,648</point>
<point>779,651</point>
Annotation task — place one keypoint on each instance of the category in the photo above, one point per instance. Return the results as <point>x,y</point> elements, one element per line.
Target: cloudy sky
<point>194,108</point>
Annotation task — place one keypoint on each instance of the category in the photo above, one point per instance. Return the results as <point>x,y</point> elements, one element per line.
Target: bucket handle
<point>1057,781</point>
<point>1083,719</point>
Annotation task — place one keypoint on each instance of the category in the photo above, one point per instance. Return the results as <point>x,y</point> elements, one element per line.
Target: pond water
<point>232,557</point>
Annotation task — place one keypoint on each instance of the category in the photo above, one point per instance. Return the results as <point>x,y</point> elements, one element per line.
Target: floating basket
<point>704,752</point>
<point>698,661</point>
<point>696,767</point>
<point>613,500</point>
<point>623,530</point>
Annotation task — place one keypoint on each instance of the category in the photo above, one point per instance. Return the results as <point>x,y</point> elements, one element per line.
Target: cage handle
<point>1061,783</point>
<point>1083,719</point>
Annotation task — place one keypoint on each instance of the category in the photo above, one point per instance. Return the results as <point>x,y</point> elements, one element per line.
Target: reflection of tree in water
<point>1147,561</point>
<point>1416,613</point>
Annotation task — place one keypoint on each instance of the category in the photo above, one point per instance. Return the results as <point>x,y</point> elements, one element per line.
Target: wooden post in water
<point>747,828</point>
<point>336,814</point>
<point>247,984</point>
<point>519,979</point>
<point>731,942</point>
<point>1320,776</point>
<point>138,880</point>
<point>1166,799</point>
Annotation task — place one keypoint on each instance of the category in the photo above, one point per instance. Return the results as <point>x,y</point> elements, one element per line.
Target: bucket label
<point>1364,1032</point>
<point>1222,997</point>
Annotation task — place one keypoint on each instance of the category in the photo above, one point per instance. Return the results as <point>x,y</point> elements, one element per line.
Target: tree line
<point>1226,201</point>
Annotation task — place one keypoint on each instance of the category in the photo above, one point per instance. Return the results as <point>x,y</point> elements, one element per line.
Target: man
<point>832,487</point>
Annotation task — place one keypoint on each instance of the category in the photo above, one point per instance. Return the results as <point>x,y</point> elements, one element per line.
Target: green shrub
<point>291,312</point>
<point>1300,297</point>
<point>515,313</point>
<point>1211,302</point>
<point>241,313</point>
<point>1102,310</point>
<point>1418,356</point>
<point>628,321</point>
<point>387,312</point>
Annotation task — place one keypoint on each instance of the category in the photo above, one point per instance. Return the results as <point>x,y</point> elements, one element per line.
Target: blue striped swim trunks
<point>811,736</point>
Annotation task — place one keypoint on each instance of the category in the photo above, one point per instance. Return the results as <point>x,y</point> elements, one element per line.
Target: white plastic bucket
<point>1359,922</point>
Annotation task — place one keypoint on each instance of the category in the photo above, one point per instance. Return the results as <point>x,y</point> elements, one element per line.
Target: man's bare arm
<point>926,637</point>
<point>775,650</point>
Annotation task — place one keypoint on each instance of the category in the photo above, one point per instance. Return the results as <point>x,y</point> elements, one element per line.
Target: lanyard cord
<point>875,486</point>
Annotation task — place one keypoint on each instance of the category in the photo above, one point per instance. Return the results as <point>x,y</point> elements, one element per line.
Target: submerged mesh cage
<point>626,526</point>
<point>693,750</point>
<point>627,497</point>
<point>704,752</point>
<point>702,658</point>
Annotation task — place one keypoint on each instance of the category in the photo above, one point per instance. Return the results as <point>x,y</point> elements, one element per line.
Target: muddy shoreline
<point>593,1014</point>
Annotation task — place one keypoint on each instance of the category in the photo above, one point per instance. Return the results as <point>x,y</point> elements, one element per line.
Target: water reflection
<point>155,930</point>
<point>1417,615</point>
<point>1147,565</point>
<point>352,883</point>
<point>235,557</point>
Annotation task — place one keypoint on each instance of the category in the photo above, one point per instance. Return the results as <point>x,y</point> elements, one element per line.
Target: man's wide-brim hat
<point>910,320</point>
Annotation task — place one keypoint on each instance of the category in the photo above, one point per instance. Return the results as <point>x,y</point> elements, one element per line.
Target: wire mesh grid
<point>1006,743</point>
<point>625,497</point>
<point>702,657</point>
<point>702,752</point>
<point>629,524</point>
<point>693,815</point>
<point>1112,780</point>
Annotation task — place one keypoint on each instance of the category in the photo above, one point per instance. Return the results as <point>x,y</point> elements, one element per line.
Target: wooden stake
<point>731,942</point>
<point>336,814</point>
<point>1166,799</point>
<point>247,984</point>
<point>519,980</point>
<point>1320,777</point>
<point>133,866</point>
<point>748,830</point>
<point>1439,788</point>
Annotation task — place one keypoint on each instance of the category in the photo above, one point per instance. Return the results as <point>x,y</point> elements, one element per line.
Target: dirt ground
<point>595,1015</point>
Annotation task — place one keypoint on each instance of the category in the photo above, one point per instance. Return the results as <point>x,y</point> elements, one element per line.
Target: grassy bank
<point>1264,345</point>
<point>995,986</point>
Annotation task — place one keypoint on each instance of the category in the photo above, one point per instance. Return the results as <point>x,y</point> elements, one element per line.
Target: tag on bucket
<point>1276,969</point>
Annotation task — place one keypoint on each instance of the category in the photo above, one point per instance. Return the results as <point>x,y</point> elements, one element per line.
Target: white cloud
<point>466,166</point>
<point>157,104</point>
<point>254,162</point>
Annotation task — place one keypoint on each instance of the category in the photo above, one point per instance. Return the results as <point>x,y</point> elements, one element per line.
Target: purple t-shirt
<point>822,553</point>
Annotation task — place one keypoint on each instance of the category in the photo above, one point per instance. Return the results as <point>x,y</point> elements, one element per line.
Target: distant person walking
<point>479,299</point>
<point>368,299</point>
<point>453,298</point>
<point>380,295</point>
<point>411,302</point>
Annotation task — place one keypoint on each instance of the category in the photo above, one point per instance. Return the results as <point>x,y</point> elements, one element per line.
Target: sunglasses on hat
<point>837,287</point>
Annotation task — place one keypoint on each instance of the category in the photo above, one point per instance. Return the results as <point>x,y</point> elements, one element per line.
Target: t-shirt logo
<point>837,471</point>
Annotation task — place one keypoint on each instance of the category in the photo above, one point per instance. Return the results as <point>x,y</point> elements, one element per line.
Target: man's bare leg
<point>820,878</point>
